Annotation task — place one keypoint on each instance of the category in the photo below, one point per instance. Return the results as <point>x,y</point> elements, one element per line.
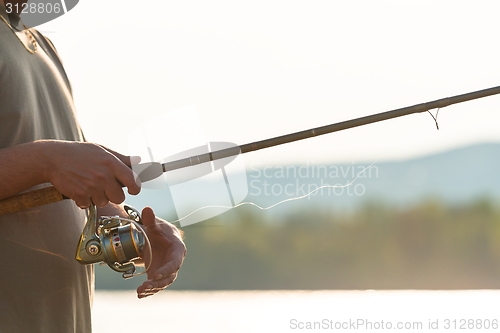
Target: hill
<point>454,176</point>
<point>426,223</point>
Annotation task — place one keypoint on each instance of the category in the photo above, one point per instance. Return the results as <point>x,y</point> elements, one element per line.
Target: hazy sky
<point>259,69</point>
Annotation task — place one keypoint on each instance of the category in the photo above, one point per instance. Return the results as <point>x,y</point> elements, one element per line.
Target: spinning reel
<point>114,241</point>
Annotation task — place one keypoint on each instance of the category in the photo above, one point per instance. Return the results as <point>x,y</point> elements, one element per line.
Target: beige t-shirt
<point>42,287</point>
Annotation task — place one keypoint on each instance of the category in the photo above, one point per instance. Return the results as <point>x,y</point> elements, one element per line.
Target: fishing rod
<point>153,170</point>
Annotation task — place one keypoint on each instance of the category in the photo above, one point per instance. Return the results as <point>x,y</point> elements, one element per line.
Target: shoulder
<point>48,47</point>
<point>44,42</point>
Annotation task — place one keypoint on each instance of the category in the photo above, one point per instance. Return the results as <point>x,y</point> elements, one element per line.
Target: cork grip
<point>30,199</point>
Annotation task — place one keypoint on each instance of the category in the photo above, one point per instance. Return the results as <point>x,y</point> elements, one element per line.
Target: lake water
<point>292,311</point>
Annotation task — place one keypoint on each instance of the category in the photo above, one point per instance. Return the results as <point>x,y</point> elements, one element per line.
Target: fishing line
<point>435,118</point>
<point>358,175</point>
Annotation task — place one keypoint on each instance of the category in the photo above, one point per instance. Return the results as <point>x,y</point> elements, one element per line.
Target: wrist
<point>44,154</point>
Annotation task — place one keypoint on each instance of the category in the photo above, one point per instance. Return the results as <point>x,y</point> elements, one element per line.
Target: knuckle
<point>103,203</point>
<point>181,247</point>
<point>100,202</point>
<point>171,279</point>
<point>98,177</point>
<point>177,264</point>
<point>117,197</point>
<point>79,195</point>
<point>108,159</point>
<point>89,184</point>
<point>82,203</point>
<point>120,196</point>
<point>134,189</point>
<point>99,198</point>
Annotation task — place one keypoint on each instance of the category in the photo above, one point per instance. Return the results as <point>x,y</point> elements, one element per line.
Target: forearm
<point>22,167</point>
<point>82,171</point>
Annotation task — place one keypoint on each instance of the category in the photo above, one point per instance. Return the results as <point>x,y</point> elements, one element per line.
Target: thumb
<point>125,159</point>
<point>148,217</point>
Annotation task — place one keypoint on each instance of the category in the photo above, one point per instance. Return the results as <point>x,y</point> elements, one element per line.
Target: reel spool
<point>114,241</point>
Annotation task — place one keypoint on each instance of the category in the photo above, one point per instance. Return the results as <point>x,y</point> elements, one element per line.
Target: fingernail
<point>135,159</point>
<point>159,277</point>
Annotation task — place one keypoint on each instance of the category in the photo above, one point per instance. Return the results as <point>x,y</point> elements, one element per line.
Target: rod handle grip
<point>31,199</point>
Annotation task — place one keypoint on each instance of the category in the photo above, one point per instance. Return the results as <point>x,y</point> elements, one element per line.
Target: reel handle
<point>31,199</point>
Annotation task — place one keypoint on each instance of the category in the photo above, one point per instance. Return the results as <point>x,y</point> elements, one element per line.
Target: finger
<point>148,217</point>
<point>144,295</point>
<point>120,164</point>
<point>82,200</point>
<point>114,193</point>
<point>99,199</point>
<point>125,176</point>
<point>100,203</point>
<point>172,266</point>
<point>134,160</point>
<point>82,204</point>
<point>127,161</point>
<point>137,180</point>
<point>145,292</point>
<point>164,283</point>
<point>123,158</point>
<point>152,287</point>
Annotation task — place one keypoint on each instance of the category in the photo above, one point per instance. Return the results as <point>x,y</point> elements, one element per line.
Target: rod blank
<point>36,198</point>
<point>279,140</point>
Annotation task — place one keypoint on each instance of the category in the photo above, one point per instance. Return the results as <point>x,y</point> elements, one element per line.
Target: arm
<point>166,243</point>
<point>21,168</point>
<point>84,172</point>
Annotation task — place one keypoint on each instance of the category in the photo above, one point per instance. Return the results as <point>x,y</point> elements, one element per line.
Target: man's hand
<point>87,172</point>
<point>168,253</point>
